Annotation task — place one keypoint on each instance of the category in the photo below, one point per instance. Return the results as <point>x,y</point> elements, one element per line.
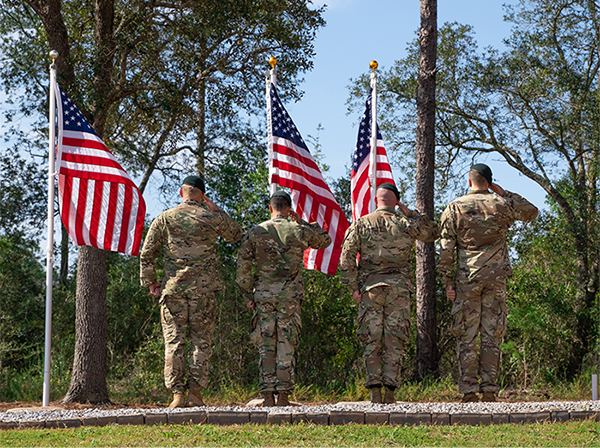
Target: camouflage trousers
<point>181,313</point>
<point>382,327</point>
<point>479,310</point>
<point>276,333</point>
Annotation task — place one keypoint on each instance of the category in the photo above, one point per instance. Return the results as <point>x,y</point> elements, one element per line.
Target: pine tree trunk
<point>64,256</point>
<point>88,380</point>
<point>426,359</point>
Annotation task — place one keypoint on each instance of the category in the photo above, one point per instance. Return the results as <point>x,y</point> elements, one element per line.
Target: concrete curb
<point>318,418</point>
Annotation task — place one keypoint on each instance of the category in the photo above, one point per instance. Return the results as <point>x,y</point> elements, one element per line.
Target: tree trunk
<point>426,359</point>
<point>88,380</point>
<point>64,256</point>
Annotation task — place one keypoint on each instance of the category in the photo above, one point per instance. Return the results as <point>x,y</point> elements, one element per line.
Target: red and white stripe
<point>294,167</point>
<point>99,203</point>
<point>360,183</point>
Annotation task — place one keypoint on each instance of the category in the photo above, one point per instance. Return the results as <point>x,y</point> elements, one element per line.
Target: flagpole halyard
<point>50,248</point>
<point>373,155</point>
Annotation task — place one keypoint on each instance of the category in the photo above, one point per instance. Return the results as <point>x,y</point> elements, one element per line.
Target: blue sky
<point>359,31</point>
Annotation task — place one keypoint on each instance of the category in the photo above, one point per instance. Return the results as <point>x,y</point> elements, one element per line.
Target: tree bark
<point>64,256</point>
<point>88,380</point>
<point>426,358</point>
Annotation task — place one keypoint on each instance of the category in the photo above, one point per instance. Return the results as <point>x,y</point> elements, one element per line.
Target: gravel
<point>401,407</point>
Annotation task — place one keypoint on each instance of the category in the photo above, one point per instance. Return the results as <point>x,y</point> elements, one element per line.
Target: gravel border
<point>335,414</point>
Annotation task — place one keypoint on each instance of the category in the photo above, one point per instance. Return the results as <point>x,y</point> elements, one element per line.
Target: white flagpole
<point>50,247</point>
<point>373,155</point>
<point>271,79</point>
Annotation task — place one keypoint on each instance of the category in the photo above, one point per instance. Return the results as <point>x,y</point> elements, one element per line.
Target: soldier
<point>474,228</point>
<point>187,233</point>
<point>381,284</point>
<point>269,273</point>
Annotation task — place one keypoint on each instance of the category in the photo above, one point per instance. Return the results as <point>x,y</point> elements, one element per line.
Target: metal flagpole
<point>373,155</point>
<point>50,247</point>
<point>271,79</point>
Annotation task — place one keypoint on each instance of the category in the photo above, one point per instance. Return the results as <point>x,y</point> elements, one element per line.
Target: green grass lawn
<point>570,434</point>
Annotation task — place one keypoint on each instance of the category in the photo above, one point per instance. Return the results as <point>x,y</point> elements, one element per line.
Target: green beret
<point>484,170</point>
<point>390,186</point>
<point>282,194</point>
<point>195,181</point>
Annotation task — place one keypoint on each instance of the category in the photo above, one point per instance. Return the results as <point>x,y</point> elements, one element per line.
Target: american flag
<point>99,204</point>
<point>360,184</point>
<point>293,166</point>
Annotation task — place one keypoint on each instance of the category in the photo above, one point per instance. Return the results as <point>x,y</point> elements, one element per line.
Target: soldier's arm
<point>152,245</point>
<point>348,268</point>
<point>448,247</point>
<point>245,262</point>
<point>314,235</point>
<point>523,209</point>
<point>317,237</point>
<point>228,228</point>
<point>422,227</point>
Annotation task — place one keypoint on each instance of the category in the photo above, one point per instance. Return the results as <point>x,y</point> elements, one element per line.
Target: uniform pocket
<point>458,319</point>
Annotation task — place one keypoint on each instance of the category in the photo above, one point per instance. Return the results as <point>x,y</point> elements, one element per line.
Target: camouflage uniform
<point>188,234</point>
<point>269,272</point>
<point>384,239</point>
<point>474,227</point>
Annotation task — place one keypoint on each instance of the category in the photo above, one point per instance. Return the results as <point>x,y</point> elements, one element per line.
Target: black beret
<point>484,170</point>
<point>390,186</point>
<point>195,181</point>
<point>282,194</point>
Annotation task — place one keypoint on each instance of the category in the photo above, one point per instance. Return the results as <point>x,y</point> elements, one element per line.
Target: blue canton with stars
<point>73,119</point>
<point>282,124</point>
<point>363,144</point>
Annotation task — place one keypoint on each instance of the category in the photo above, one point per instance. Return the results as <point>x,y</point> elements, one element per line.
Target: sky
<point>359,31</point>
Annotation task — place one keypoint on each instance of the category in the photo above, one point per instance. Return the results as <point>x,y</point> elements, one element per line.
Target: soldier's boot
<point>489,397</point>
<point>389,395</point>
<point>178,400</point>
<point>268,399</point>
<point>470,397</point>
<point>195,397</point>
<point>376,394</point>
<point>283,399</point>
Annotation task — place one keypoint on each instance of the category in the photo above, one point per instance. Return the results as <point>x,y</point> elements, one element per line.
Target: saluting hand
<point>497,189</point>
<point>295,216</point>
<point>209,204</point>
<point>404,209</point>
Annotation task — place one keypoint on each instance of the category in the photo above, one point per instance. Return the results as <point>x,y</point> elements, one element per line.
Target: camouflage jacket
<point>474,227</point>
<point>384,240</point>
<point>270,260</point>
<point>188,233</point>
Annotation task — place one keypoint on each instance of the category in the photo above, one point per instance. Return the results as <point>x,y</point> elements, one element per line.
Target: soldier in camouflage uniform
<point>269,273</point>
<point>474,229</point>
<point>382,283</point>
<point>187,235</point>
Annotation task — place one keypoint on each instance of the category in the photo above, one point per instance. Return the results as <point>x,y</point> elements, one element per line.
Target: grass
<point>570,434</point>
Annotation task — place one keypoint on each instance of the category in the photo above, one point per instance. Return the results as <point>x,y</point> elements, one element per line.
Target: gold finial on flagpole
<point>273,62</point>
<point>53,54</point>
<point>373,65</point>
